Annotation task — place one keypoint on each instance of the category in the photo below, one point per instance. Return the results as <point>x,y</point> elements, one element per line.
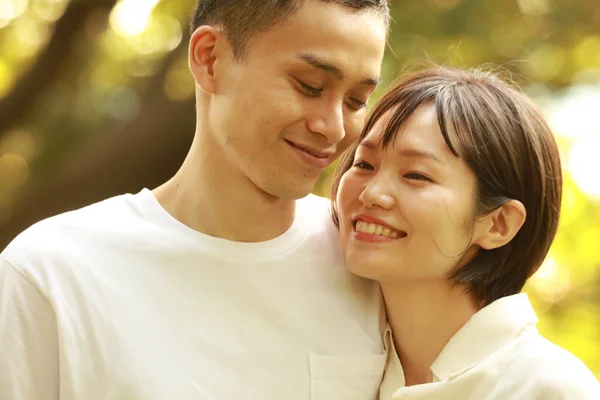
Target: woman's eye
<point>417,177</point>
<point>309,90</point>
<point>363,165</point>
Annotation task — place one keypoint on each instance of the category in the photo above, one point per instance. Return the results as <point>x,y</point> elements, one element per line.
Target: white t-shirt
<point>497,355</point>
<point>119,300</point>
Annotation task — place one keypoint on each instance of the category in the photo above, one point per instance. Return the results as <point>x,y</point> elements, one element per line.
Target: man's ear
<point>501,225</point>
<point>203,52</point>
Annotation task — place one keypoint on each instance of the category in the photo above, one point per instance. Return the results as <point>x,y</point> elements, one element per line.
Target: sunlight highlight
<point>31,35</point>
<point>584,165</point>
<point>534,7</point>
<point>50,10</point>
<point>576,114</point>
<point>7,78</point>
<point>14,170</point>
<point>10,10</point>
<point>551,282</point>
<point>129,18</point>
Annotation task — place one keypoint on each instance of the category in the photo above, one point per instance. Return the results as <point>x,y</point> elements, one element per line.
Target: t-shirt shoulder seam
<point>27,279</point>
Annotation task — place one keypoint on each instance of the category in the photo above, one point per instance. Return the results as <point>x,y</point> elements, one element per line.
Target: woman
<point>451,199</point>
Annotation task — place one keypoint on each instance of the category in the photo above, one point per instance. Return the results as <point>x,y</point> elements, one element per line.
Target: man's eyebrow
<point>322,65</point>
<point>332,69</point>
<point>405,152</point>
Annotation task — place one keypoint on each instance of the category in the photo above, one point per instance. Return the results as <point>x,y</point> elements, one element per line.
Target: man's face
<point>296,101</point>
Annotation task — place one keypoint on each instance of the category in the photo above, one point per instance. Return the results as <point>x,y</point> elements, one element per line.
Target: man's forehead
<point>338,40</point>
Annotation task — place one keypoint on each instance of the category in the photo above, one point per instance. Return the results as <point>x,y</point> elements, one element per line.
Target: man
<point>218,284</point>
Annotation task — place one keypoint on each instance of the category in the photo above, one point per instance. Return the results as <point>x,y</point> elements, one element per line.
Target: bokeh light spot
<point>129,18</point>
<point>584,165</point>
<point>551,282</point>
<point>576,113</point>
<point>14,170</point>
<point>7,78</point>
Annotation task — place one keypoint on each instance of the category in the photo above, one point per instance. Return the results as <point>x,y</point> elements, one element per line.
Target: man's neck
<point>211,196</point>
<point>424,315</point>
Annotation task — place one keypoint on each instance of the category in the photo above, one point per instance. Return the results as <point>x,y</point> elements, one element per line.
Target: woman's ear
<point>203,54</point>
<point>501,225</point>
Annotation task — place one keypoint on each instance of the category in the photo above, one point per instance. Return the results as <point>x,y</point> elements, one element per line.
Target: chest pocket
<point>345,377</point>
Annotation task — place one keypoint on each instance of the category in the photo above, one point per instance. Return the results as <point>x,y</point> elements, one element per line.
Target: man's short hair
<point>244,20</point>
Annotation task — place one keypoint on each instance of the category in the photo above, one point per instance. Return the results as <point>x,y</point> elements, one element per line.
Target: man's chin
<point>296,191</point>
<point>296,194</point>
<point>288,186</point>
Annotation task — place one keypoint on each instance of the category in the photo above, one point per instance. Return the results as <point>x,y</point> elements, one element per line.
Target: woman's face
<point>407,212</point>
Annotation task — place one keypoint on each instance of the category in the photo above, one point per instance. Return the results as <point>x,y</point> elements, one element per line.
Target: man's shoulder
<point>67,232</point>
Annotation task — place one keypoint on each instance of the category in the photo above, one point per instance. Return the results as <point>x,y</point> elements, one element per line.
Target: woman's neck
<point>424,315</point>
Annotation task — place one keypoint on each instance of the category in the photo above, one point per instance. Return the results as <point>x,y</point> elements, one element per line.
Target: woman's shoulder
<point>551,372</point>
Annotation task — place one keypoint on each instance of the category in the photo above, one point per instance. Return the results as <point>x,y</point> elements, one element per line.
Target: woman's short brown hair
<point>504,139</point>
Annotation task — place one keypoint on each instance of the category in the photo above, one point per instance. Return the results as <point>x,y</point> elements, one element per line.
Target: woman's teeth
<point>375,229</point>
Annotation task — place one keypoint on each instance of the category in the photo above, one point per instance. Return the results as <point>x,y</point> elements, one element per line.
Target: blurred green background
<point>96,100</point>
